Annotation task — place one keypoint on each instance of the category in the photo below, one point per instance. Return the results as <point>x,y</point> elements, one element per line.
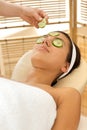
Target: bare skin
<point>68,104</point>
<point>28,14</point>
<point>67,100</point>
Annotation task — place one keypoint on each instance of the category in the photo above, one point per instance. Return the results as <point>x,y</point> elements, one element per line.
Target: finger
<point>30,20</point>
<point>37,17</point>
<point>35,23</point>
<point>46,17</point>
<point>43,14</point>
<point>40,14</point>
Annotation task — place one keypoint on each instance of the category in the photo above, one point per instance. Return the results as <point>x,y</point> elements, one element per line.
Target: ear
<point>65,67</point>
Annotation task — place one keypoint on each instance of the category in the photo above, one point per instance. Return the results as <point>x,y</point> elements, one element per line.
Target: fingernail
<point>40,18</point>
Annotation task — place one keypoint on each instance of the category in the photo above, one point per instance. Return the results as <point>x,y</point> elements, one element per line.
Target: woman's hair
<point>69,56</point>
<point>78,55</point>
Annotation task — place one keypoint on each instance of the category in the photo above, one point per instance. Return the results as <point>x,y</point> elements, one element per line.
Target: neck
<point>40,76</point>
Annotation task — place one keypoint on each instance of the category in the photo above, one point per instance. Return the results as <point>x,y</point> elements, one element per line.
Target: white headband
<point>73,58</point>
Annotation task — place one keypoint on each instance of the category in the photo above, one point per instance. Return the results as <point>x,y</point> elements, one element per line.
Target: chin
<point>37,60</point>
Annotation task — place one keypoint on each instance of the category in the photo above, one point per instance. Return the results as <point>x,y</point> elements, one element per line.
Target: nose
<point>47,41</point>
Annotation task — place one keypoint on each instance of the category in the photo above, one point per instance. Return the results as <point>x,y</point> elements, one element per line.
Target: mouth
<point>42,48</point>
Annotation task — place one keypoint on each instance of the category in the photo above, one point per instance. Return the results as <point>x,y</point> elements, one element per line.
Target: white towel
<point>24,107</point>
<point>83,123</point>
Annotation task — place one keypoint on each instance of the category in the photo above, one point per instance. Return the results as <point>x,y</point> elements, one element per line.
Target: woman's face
<point>47,55</point>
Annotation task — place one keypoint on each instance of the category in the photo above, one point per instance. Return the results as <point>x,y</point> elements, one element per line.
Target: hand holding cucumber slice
<point>42,24</point>
<point>57,43</point>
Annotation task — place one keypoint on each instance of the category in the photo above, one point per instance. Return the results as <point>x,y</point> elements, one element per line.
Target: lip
<point>42,47</point>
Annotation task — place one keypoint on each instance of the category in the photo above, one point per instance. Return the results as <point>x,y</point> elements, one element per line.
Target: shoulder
<point>67,94</point>
<point>66,91</point>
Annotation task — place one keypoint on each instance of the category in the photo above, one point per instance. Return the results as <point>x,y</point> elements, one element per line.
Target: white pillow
<point>77,79</point>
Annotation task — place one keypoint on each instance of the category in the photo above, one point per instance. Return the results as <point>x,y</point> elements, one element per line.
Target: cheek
<point>58,57</point>
<point>35,46</point>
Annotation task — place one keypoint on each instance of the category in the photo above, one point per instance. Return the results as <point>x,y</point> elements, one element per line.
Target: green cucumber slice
<point>40,40</point>
<point>42,24</point>
<point>57,43</point>
<point>54,34</point>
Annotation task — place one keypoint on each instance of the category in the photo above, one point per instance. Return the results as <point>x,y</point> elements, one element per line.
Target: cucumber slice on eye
<point>42,24</point>
<point>40,40</point>
<point>54,34</point>
<point>57,43</point>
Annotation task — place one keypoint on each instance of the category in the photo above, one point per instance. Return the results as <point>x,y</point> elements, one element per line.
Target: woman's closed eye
<point>57,42</point>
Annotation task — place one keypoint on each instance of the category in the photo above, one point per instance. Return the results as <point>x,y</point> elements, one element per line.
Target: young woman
<point>53,57</point>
